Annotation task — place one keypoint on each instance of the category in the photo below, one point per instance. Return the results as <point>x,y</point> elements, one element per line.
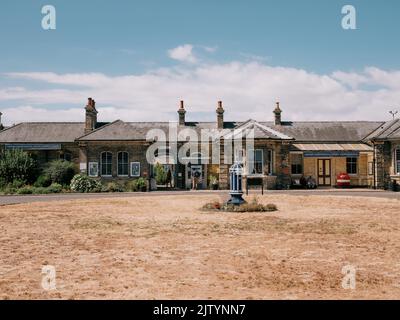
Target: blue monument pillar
<point>235,176</point>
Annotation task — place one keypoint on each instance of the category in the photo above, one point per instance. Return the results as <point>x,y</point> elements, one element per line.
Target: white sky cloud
<point>248,90</point>
<point>183,53</point>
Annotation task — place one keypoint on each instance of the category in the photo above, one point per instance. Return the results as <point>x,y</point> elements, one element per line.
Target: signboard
<point>331,154</point>
<point>34,146</point>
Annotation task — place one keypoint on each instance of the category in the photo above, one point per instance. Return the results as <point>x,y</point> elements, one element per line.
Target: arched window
<point>123,163</point>
<point>106,164</point>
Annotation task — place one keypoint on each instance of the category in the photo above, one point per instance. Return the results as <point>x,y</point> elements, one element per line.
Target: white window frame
<point>101,164</point>
<point>397,160</point>
<point>132,163</point>
<point>251,161</point>
<point>90,167</point>
<point>127,163</point>
<point>272,153</point>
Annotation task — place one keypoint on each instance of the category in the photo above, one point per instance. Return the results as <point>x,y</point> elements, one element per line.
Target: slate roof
<point>120,130</point>
<point>332,131</point>
<point>51,132</point>
<point>387,131</point>
<point>42,132</point>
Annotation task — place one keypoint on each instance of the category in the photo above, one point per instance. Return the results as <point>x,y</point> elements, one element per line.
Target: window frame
<point>253,161</point>
<point>301,163</point>
<point>101,164</point>
<point>397,160</point>
<point>127,164</point>
<point>351,164</point>
<point>131,171</point>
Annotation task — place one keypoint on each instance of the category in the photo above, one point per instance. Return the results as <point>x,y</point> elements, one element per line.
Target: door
<point>191,171</point>
<point>324,172</point>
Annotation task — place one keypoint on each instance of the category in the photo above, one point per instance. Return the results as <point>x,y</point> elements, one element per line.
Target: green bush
<point>41,190</point>
<point>17,165</point>
<point>160,174</point>
<point>113,187</point>
<point>25,190</point>
<point>42,181</point>
<point>60,171</point>
<point>141,184</point>
<point>137,185</point>
<point>16,184</point>
<point>55,188</point>
<point>83,183</point>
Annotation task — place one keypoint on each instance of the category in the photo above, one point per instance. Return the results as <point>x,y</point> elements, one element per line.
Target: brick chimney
<point>1,125</point>
<point>91,116</point>
<point>181,113</point>
<point>220,115</point>
<point>278,113</point>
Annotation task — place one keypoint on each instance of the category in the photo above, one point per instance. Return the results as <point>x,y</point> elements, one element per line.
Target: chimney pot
<point>220,115</point>
<point>91,116</point>
<point>278,115</point>
<point>181,113</point>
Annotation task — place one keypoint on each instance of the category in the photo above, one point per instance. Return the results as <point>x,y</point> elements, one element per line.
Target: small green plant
<point>60,171</point>
<point>25,190</point>
<point>55,188</point>
<point>113,187</point>
<point>141,184</point>
<point>160,174</point>
<point>82,183</point>
<point>42,181</point>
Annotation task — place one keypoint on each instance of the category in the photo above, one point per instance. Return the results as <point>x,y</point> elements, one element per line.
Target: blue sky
<point>134,38</point>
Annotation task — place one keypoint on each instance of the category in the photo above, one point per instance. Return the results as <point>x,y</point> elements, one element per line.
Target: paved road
<point>15,199</point>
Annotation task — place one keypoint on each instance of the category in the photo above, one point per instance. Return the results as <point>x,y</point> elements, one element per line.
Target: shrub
<point>60,171</point>
<point>113,187</point>
<point>131,186</point>
<point>214,205</point>
<point>42,181</point>
<point>16,184</point>
<point>252,206</point>
<point>141,184</point>
<point>55,188</point>
<point>160,174</point>
<point>25,190</point>
<point>83,183</point>
<point>17,165</point>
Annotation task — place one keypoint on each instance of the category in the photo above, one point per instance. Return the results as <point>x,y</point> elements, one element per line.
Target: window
<point>123,163</point>
<point>296,160</point>
<point>93,169</point>
<point>135,169</point>
<point>66,156</point>
<point>397,159</point>
<point>106,164</point>
<point>351,165</point>
<point>270,162</point>
<point>256,162</point>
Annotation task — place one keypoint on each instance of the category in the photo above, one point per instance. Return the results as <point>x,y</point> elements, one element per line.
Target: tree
<point>16,164</point>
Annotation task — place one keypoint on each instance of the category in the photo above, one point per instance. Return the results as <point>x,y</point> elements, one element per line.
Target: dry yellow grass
<point>166,248</point>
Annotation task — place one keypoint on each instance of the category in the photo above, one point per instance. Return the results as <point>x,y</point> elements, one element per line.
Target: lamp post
<point>393,113</point>
<point>236,192</point>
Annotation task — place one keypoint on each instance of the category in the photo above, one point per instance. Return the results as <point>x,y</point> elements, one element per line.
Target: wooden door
<point>324,172</point>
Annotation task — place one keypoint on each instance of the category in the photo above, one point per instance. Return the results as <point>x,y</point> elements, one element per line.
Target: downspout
<point>374,165</point>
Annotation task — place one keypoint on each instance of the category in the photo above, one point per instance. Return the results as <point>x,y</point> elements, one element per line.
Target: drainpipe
<point>374,165</point>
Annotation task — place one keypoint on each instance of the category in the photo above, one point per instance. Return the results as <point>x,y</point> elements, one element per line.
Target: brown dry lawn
<point>166,248</point>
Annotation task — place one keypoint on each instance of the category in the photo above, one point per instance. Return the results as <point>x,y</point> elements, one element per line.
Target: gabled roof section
<point>42,132</point>
<point>260,131</point>
<point>387,131</point>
